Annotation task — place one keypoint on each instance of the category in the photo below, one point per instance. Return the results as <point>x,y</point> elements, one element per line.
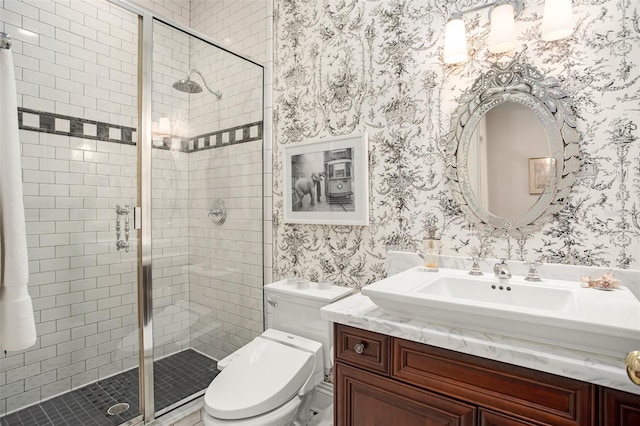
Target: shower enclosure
<point>143,198</point>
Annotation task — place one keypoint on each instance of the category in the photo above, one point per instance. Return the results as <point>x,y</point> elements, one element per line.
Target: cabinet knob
<point>359,348</point>
<point>633,366</point>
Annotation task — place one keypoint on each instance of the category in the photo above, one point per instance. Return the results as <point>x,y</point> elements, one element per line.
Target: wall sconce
<point>557,23</point>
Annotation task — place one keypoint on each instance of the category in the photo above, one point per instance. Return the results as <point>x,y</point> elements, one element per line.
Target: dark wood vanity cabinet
<point>383,380</point>
<point>368,399</point>
<point>619,408</point>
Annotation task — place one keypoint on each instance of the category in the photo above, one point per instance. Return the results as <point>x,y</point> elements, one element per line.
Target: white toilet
<point>270,380</point>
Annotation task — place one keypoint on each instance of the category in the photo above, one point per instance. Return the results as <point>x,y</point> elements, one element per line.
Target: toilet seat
<point>257,381</point>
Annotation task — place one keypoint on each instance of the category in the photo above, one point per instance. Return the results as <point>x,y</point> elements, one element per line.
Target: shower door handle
<point>137,218</point>
<point>122,244</point>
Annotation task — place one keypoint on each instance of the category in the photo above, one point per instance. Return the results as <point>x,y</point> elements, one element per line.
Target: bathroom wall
<point>246,27</point>
<point>239,82</point>
<point>226,260</point>
<point>177,10</point>
<point>170,251</point>
<point>240,25</point>
<point>347,67</point>
<point>227,270</point>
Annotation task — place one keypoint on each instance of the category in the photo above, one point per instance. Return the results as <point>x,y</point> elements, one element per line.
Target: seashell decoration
<point>605,282</point>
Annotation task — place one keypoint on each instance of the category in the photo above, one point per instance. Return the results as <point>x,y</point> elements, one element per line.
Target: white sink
<point>488,290</point>
<point>555,312</point>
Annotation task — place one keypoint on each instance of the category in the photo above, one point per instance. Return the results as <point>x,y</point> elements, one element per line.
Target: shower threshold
<point>177,377</point>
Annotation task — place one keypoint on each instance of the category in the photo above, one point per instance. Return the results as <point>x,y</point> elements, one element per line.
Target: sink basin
<point>556,312</point>
<point>488,291</point>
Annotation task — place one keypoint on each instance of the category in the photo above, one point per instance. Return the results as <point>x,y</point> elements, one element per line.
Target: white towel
<point>17,325</point>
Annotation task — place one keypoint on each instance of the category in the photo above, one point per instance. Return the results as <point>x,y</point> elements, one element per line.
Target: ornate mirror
<point>512,151</point>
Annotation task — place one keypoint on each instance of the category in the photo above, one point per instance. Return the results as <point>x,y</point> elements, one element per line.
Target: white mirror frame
<point>524,84</point>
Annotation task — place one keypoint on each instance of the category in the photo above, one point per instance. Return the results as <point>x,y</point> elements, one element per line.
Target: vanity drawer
<point>531,395</point>
<point>365,349</point>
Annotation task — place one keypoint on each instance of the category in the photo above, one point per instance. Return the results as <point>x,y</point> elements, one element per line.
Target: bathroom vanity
<point>396,371</point>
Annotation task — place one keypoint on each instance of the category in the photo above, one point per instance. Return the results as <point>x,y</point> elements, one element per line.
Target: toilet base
<point>284,415</point>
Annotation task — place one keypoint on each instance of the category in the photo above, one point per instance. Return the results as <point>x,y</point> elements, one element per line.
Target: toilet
<point>271,380</point>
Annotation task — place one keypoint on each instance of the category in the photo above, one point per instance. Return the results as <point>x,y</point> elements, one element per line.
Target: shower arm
<point>218,94</point>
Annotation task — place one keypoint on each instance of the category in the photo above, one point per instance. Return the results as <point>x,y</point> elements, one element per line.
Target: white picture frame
<point>339,168</point>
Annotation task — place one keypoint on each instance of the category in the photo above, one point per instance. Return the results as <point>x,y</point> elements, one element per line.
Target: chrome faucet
<point>501,270</point>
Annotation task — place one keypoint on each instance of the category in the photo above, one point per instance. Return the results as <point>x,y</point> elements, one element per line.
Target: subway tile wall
<point>226,260</point>
<point>239,82</point>
<point>78,59</point>
<point>171,61</point>
<point>75,58</point>
<point>240,25</point>
<point>176,10</point>
<point>170,251</point>
<point>170,175</point>
<point>246,26</point>
<point>83,289</point>
<point>227,270</point>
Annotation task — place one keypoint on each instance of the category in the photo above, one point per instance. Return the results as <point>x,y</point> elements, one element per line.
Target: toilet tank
<point>297,311</point>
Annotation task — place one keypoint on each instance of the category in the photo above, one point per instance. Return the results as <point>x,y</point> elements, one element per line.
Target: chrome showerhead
<point>187,85</point>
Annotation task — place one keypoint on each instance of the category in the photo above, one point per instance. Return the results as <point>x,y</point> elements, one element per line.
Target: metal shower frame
<point>144,162</point>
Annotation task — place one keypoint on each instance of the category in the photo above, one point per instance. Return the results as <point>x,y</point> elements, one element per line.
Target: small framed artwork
<point>326,181</point>
<point>540,170</point>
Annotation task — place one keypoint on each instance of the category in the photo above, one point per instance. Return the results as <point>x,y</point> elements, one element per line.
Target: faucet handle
<point>475,268</point>
<point>501,269</point>
<point>532,274</point>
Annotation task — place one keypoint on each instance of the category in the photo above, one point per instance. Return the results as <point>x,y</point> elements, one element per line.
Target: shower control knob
<point>359,348</point>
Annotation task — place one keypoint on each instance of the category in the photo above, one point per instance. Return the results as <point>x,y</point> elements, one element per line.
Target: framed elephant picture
<point>326,181</point>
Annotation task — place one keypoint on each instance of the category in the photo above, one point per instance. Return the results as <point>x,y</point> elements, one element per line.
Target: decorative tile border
<point>234,135</point>
<point>58,124</point>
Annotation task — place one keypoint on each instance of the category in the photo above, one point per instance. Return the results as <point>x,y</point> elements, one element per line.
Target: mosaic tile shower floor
<point>176,377</point>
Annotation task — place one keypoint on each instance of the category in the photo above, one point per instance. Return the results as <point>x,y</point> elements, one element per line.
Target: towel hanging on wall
<point>17,325</point>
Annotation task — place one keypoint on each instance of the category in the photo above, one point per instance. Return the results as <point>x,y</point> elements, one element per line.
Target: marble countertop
<point>359,311</point>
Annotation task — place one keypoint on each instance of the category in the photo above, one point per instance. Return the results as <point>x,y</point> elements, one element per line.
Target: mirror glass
<point>512,151</point>
<point>509,160</point>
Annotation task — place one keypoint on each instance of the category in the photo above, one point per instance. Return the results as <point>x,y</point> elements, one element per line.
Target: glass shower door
<point>76,74</point>
<point>207,210</point>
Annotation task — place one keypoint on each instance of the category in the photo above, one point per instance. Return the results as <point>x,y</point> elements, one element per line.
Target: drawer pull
<point>359,348</point>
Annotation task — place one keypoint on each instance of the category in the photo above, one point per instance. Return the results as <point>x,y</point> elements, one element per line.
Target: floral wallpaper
<point>348,66</point>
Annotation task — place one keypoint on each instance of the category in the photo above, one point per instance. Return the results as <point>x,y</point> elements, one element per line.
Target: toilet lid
<point>264,376</point>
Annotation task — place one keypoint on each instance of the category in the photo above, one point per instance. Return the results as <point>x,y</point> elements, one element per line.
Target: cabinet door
<point>490,418</point>
<point>366,399</point>
<point>619,408</point>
